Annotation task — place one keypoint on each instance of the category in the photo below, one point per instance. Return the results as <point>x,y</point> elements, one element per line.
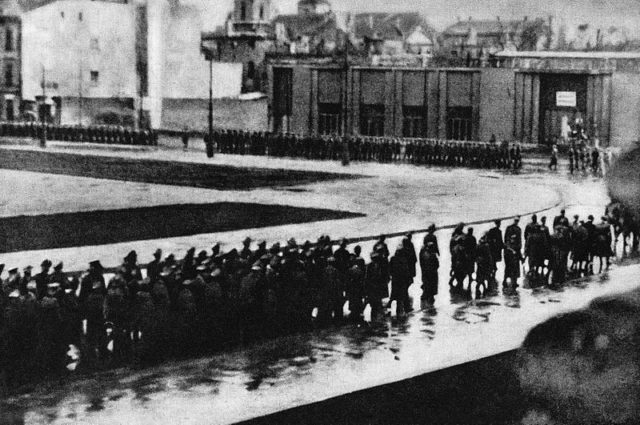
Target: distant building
<point>469,40</point>
<point>246,38</point>
<point>85,54</point>
<point>314,7</point>
<point>527,99</point>
<point>10,61</point>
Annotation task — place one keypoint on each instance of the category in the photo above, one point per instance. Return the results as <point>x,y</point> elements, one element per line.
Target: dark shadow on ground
<point>480,392</point>
<point>220,177</point>
<point>112,226</point>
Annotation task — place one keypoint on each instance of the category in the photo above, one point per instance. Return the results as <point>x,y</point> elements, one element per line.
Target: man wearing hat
<point>561,220</point>
<point>496,243</point>
<point>13,281</point>
<point>431,237</point>
<point>57,275</point>
<point>429,265</point>
<point>342,257</point>
<point>155,266</point>
<point>246,252</point>
<point>90,280</point>
<point>42,279</point>
<point>514,230</point>
<point>512,259</point>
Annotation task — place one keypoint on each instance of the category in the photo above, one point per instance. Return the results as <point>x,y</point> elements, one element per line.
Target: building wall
<point>503,102</point>
<point>10,63</point>
<point>625,106</point>
<point>73,40</point>
<point>496,104</point>
<point>186,72</point>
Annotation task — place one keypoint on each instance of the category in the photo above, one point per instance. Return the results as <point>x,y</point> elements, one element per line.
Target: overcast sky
<point>440,13</point>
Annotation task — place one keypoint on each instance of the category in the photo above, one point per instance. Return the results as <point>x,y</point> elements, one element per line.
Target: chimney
<point>526,18</point>
<point>498,18</point>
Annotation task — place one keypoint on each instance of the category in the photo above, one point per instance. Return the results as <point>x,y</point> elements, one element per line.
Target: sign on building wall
<point>566,99</point>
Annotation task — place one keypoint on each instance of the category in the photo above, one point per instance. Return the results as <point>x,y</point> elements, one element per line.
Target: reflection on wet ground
<point>299,369</point>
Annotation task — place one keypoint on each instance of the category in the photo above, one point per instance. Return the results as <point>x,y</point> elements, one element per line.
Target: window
<point>243,11</point>
<point>459,123</point>
<point>262,12</point>
<point>10,116</point>
<point>413,121</point>
<point>95,45</point>
<point>62,15</point>
<point>372,120</point>
<point>8,75</point>
<point>329,118</point>
<point>80,16</point>
<point>8,41</point>
<point>95,77</point>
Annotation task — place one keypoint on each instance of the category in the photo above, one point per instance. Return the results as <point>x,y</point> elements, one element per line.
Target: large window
<point>413,121</point>
<point>8,40</point>
<point>372,120</point>
<point>282,98</point>
<point>329,118</point>
<point>8,75</point>
<point>459,123</point>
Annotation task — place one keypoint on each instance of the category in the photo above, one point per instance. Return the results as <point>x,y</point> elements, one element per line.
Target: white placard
<point>566,99</point>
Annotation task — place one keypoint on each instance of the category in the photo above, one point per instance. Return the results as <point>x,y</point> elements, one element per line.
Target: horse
<point>625,224</point>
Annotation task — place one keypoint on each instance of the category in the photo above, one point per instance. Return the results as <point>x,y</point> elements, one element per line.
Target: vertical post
<point>43,136</point>
<point>346,134</point>
<point>210,134</point>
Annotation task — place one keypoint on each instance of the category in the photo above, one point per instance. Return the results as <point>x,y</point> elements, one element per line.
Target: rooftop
<point>388,26</point>
<point>482,27</point>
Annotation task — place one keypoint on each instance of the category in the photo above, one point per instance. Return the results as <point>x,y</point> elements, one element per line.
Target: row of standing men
<point>106,134</point>
<point>363,148</point>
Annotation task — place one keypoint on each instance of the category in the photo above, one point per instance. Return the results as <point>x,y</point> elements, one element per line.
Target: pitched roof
<point>322,25</point>
<point>388,26</point>
<point>482,27</point>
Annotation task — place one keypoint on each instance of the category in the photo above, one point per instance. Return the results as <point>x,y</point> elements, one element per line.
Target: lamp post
<point>43,134</point>
<point>209,142</point>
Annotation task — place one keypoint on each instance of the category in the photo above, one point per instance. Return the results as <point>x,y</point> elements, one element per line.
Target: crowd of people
<point>208,300</point>
<point>108,134</point>
<point>363,148</point>
<point>551,256</point>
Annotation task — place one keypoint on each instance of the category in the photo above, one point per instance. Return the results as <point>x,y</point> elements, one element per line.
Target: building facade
<point>246,39</point>
<point>515,104</point>
<point>118,61</point>
<point>10,60</point>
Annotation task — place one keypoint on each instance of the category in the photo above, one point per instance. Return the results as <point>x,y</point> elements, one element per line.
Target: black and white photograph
<point>320,212</point>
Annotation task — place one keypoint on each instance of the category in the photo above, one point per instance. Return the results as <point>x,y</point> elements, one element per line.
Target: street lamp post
<point>210,134</point>
<point>43,135</point>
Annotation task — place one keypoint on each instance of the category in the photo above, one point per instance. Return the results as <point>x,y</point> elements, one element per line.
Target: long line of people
<point>551,257</point>
<point>106,134</point>
<point>364,148</point>
<point>214,299</point>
